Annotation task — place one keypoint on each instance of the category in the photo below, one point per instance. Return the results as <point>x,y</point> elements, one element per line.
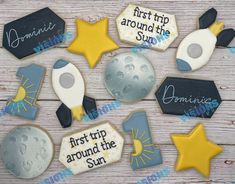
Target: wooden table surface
<point>221,68</point>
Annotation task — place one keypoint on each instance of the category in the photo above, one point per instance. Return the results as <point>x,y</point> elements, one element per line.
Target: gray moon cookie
<point>27,151</point>
<point>129,77</point>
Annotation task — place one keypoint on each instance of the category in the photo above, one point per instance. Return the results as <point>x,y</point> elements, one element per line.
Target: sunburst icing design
<point>24,102</point>
<point>145,153</point>
<point>24,98</point>
<point>143,147</point>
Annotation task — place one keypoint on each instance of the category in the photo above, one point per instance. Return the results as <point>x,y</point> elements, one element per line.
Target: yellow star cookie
<point>92,40</point>
<point>195,151</point>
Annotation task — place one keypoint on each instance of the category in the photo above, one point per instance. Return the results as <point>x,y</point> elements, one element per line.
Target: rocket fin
<point>64,115</point>
<point>225,37</point>
<point>207,19</point>
<point>89,105</point>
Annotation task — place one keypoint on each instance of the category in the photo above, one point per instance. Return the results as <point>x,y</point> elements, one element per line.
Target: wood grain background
<point>221,68</point>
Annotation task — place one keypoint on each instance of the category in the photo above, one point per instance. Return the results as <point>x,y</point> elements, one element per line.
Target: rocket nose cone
<point>60,63</point>
<point>183,65</point>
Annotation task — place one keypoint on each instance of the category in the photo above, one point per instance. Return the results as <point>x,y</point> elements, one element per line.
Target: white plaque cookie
<point>89,149</point>
<point>137,25</point>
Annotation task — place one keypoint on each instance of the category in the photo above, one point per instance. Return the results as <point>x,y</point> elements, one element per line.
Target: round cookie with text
<point>129,77</point>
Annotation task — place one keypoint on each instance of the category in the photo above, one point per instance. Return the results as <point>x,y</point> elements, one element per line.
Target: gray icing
<point>66,80</point>
<point>194,50</point>
<point>129,77</point>
<point>26,151</point>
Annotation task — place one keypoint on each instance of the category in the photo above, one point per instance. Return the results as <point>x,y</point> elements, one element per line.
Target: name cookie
<point>91,148</point>
<point>137,25</point>
<point>129,77</point>
<point>24,103</point>
<point>198,98</point>
<point>145,154</point>
<point>27,151</point>
<point>68,84</point>
<point>196,49</point>
<point>26,36</point>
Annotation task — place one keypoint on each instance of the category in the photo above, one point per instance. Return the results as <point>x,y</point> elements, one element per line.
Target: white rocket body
<point>68,83</point>
<point>195,50</point>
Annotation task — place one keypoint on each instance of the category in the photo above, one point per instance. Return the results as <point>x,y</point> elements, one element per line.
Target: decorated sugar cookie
<point>92,40</point>
<point>196,49</point>
<point>24,103</point>
<point>69,86</point>
<point>91,148</point>
<point>145,153</point>
<point>27,151</point>
<point>195,150</point>
<point>188,97</point>
<point>139,25</point>
<point>33,33</point>
<point>129,77</point>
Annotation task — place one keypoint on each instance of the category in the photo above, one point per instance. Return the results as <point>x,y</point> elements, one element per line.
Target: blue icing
<point>183,65</point>
<point>32,76</point>
<point>60,63</point>
<point>137,124</point>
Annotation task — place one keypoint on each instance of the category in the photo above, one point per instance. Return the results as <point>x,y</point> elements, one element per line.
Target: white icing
<point>101,144</point>
<point>207,41</point>
<point>137,24</point>
<point>170,97</point>
<point>73,96</point>
<point>17,39</point>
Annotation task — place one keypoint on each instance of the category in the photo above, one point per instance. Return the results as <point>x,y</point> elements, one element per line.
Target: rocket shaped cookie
<point>196,49</point>
<point>69,86</point>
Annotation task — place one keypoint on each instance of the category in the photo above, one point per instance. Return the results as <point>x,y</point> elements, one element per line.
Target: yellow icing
<point>195,150</point>
<point>92,40</point>
<point>216,28</point>
<point>138,147</point>
<point>21,93</point>
<point>77,112</point>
